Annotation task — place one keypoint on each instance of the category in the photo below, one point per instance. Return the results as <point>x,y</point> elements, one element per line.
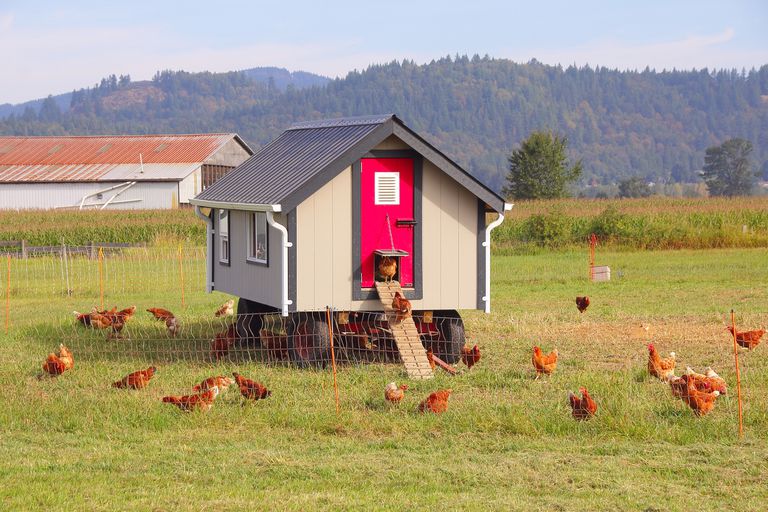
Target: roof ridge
<point>341,121</point>
<point>123,136</point>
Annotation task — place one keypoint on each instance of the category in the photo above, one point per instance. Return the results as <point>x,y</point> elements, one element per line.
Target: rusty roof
<point>106,158</point>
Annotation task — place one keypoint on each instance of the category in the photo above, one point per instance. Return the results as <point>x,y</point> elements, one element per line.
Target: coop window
<point>387,188</point>
<point>258,238</point>
<point>224,236</point>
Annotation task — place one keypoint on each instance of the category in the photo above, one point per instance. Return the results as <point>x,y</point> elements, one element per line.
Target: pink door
<point>386,190</point>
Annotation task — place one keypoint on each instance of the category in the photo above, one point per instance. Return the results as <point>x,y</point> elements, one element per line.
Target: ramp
<point>407,339</point>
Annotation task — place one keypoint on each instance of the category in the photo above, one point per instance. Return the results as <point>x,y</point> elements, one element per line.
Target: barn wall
<point>190,186</point>
<point>243,279</point>
<point>232,154</point>
<point>449,245</point>
<point>155,195</point>
<point>390,143</point>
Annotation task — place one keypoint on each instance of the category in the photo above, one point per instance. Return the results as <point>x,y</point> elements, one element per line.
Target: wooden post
<point>738,374</point>
<point>8,297</point>
<point>329,318</point>
<point>101,276</point>
<point>24,249</point>
<point>92,250</point>
<point>181,275</point>
<point>592,244</point>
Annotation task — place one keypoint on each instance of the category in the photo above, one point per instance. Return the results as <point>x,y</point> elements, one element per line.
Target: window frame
<point>225,247</point>
<point>254,220</point>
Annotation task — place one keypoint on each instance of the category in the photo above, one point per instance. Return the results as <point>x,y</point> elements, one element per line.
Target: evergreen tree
<point>539,169</point>
<point>727,169</point>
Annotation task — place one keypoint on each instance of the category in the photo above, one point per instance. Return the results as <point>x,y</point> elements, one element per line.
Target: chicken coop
<point>347,213</point>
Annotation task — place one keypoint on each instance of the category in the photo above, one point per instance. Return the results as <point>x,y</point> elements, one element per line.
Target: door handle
<point>405,223</point>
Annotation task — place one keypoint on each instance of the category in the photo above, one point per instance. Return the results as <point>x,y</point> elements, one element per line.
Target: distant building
<point>122,172</point>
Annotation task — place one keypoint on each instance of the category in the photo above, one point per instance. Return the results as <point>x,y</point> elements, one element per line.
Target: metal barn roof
<point>106,158</point>
<point>309,154</point>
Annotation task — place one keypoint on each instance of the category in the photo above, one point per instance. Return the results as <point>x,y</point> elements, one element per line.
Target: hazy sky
<point>54,47</point>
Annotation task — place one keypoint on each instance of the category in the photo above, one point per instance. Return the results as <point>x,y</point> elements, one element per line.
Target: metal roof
<point>107,158</point>
<point>308,155</point>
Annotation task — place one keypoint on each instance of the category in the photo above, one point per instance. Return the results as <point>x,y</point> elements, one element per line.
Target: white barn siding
<point>153,195</point>
<point>190,186</point>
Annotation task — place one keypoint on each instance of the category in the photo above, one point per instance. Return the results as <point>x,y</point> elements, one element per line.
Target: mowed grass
<point>507,442</point>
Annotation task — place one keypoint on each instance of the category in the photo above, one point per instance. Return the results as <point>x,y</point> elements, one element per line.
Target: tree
<point>539,169</point>
<point>727,169</point>
<point>634,187</point>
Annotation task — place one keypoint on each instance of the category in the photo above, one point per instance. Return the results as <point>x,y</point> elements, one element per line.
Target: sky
<point>51,47</point>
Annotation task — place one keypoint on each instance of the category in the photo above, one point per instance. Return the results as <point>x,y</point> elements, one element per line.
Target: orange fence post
<point>101,276</point>
<point>181,274</point>
<point>329,317</point>
<point>8,297</point>
<point>738,374</point>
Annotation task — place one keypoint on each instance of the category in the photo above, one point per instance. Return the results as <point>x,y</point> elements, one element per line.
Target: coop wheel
<point>448,348</point>
<point>309,344</point>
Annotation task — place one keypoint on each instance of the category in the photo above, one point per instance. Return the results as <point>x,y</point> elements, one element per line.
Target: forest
<point>621,124</point>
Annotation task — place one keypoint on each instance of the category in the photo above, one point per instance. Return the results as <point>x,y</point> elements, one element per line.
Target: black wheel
<point>451,341</point>
<point>250,320</point>
<point>309,344</point>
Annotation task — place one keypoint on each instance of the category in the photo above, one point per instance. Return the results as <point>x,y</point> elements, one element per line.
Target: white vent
<point>387,187</point>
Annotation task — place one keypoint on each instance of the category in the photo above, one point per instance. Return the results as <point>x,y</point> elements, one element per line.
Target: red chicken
<point>544,363</point>
<point>201,401</point>
<point>219,381</point>
<point>747,339</point>
<point>663,369</point>
<point>402,307</point>
<point>160,313</point>
<point>436,402</point>
<point>136,380</point>
<point>56,364</point>
<point>470,356</point>
<point>582,303</point>
<point>251,389</point>
<point>223,341</point>
<point>394,393</point>
<point>582,408</point>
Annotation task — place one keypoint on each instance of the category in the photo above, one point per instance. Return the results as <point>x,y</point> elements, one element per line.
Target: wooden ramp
<point>412,352</point>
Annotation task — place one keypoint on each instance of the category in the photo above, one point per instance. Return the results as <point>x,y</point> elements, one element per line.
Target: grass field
<point>507,442</point>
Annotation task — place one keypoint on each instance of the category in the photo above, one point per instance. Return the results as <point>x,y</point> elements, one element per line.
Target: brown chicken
<point>160,313</point>
<point>708,382</point>
<point>544,363</point>
<point>747,339</point>
<point>387,268</point>
<point>431,358</point>
<point>172,326</point>
<point>251,389</point>
<point>394,393</point>
<point>56,364</point>
<point>678,386</point>
<point>100,321</point>
<point>702,402</point>
<point>84,318</point>
<point>201,401</point>
<point>716,382</point>
<point>436,402</point>
<point>219,381</point>
<point>663,369</point>
<point>226,309</point>
<point>223,341</point>
<point>582,303</point>
<point>402,307</point>
<point>582,408</point>
<point>136,380</point>
<point>470,356</point>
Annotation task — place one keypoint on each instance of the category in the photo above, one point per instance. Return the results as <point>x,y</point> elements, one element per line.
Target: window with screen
<point>258,239</point>
<point>387,188</point>
<point>224,236</point>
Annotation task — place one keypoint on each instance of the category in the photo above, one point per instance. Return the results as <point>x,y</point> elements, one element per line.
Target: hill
<point>620,123</point>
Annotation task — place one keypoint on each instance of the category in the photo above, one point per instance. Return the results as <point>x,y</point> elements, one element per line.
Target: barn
<point>306,222</point>
<point>135,171</point>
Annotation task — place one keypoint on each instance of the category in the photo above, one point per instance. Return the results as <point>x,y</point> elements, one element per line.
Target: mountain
<point>655,125</point>
<point>282,78</point>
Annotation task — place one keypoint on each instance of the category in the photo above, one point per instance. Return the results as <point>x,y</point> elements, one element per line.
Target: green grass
<point>506,443</point>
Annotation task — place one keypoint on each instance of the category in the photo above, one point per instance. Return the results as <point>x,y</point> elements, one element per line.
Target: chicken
<point>56,364</point>
<point>172,326</point>
<point>436,402</point>
<point>201,401</point>
<point>544,363</point>
<point>702,402</point>
<point>251,389</point>
<point>582,303</point>
<point>470,356</point>
<point>84,318</point>
<point>219,381</point>
<point>100,321</point>
<point>748,339</point>
<point>582,408</point>
<point>663,369</point>
<point>160,313</point>
<point>223,341</point>
<point>402,307</point>
<point>394,393</point>
<point>678,386</point>
<point>716,382</point>
<point>387,268</point>
<point>136,380</point>
<point>226,309</point>
<point>431,358</point>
